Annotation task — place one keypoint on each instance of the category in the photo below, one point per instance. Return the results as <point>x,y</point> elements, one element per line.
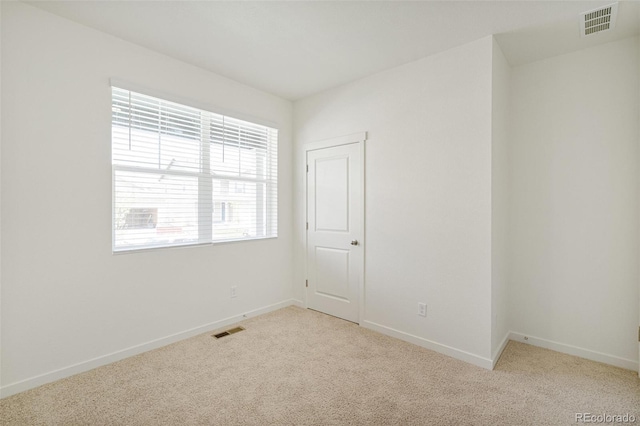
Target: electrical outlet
<point>234,291</point>
<point>422,309</point>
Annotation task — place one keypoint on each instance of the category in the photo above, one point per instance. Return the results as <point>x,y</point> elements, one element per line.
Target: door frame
<point>354,138</point>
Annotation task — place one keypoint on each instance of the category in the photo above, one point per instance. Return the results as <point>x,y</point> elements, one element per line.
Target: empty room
<point>319,212</point>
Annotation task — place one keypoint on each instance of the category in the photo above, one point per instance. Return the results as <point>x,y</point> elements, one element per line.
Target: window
<point>185,176</point>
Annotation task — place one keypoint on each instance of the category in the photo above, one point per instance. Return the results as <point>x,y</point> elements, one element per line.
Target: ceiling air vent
<point>598,20</point>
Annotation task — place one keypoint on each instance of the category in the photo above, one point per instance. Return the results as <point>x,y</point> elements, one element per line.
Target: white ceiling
<point>295,49</point>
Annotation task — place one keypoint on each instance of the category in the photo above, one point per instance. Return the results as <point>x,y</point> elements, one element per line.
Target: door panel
<point>332,194</point>
<point>335,220</point>
<point>332,272</point>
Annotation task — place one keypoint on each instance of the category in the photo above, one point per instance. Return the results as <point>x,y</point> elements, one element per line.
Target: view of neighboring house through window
<point>183,176</point>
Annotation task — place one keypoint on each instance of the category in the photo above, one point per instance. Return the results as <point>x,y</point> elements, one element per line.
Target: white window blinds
<point>184,176</point>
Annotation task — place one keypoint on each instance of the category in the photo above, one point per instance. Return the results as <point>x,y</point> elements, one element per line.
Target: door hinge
<point>306,283</point>
<point>307,168</point>
<point>307,226</point>
<point>638,334</point>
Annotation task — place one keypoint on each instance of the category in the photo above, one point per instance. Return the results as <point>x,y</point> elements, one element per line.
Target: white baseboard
<point>616,361</point>
<point>428,344</point>
<point>496,355</point>
<point>298,303</point>
<point>21,386</point>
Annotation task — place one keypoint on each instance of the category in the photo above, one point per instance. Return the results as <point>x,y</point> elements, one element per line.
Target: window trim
<point>116,83</point>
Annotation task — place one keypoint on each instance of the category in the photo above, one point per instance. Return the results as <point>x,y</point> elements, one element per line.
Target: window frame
<point>206,178</point>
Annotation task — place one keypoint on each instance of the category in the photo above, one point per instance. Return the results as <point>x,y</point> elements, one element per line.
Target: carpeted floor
<point>300,367</point>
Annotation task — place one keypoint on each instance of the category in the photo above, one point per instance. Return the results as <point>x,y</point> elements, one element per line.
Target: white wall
<point>66,299</point>
<point>574,208</point>
<point>428,194</point>
<point>501,75</point>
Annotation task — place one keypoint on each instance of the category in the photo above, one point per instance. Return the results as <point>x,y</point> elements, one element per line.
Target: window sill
<point>189,245</point>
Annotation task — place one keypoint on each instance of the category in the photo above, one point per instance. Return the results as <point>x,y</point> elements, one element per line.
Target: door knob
<point>354,242</point>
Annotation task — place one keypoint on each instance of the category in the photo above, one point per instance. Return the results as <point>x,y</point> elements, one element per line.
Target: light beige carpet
<point>299,367</point>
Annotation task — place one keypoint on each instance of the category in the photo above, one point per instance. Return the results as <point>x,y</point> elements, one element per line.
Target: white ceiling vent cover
<point>598,20</point>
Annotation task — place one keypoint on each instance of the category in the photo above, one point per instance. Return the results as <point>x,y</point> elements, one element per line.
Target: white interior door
<point>335,230</point>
